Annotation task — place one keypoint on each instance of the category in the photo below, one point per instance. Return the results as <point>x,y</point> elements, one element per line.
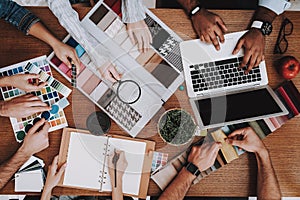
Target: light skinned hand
<point>36,139</point>
<point>23,106</point>
<point>204,156</point>
<point>109,72</point>
<point>246,139</point>
<point>253,43</point>
<point>121,165</point>
<point>65,52</point>
<point>21,81</point>
<point>139,32</point>
<point>209,27</point>
<point>54,174</point>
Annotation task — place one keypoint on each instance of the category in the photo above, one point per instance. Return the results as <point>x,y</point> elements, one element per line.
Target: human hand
<point>208,27</point>
<point>109,72</point>
<point>54,175</point>
<point>36,139</point>
<point>121,165</point>
<point>246,139</point>
<point>204,156</point>
<point>66,53</point>
<point>139,32</point>
<point>254,43</point>
<point>21,81</point>
<point>22,106</point>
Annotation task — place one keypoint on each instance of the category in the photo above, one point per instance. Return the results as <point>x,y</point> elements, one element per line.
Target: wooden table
<point>235,179</point>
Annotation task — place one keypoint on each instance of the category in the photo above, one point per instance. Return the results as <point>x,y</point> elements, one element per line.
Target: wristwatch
<point>264,27</point>
<point>192,168</point>
<point>195,10</point>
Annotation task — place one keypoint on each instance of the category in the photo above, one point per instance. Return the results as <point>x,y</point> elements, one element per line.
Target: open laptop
<point>220,93</point>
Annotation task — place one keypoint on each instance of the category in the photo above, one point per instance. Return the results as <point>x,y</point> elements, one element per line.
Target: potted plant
<point>176,126</point>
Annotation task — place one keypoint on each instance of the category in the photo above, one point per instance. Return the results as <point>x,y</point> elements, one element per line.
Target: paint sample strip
<point>57,85</point>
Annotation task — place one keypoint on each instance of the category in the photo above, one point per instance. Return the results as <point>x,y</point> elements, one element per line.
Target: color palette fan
<point>56,116</point>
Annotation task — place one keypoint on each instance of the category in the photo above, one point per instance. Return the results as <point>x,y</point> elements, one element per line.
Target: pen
<point>114,161</point>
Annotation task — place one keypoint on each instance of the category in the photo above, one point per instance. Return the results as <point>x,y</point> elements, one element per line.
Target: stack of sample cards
<point>48,94</point>
<point>31,176</point>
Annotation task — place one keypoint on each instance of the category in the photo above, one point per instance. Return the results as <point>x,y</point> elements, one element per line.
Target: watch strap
<point>195,10</point>
<point>193,169</point>
<point>257,24</point>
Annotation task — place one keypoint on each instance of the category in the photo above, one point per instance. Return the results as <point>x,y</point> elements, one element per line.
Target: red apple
<point>288,67</point>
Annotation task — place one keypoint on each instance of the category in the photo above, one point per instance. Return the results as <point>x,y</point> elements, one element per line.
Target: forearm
<point>179,186</point>
<point>46,194</point>
<point>188,5</point>
<point>267,183</point>
<point>133,11</point>
<point>264,14</point>
<point>117,193</point>
<point>39,31</point>
<point>10,167</point>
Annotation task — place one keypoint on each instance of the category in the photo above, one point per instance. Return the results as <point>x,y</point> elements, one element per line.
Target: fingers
<point>36,126</point>
<point>215,41</point>
<point>46,127</point>
<point>149,36</point>
<point>220,34</point>
<point>237,132</point>
<point>114,72</point>
<point>234,142</point>
<point>221,24</point>
<point>31,76</point>
<point>131,36</point>
<point>140,42</point>
<point>53,167</point>
<point>238,46</point>
<point>202,38</point>
<point>214,149</point>
<point>65,60</point>
<point>61,170</point>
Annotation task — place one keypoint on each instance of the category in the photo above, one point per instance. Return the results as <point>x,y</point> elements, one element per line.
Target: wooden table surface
<point>235,179</point>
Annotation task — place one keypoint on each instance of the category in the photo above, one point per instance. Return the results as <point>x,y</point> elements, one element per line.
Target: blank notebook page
<point>134,153</point>
<point>85,160</point>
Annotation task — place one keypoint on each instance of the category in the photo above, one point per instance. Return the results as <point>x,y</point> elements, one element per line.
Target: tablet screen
<point>237,106</point>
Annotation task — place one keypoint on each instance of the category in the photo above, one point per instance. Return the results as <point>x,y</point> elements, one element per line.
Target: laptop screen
<point>237,106</point>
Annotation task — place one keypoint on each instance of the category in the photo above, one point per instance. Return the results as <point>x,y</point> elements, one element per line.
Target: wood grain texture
<point>235,179</point>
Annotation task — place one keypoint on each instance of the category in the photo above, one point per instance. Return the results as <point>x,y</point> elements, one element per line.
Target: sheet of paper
<point>85,160</point>
<point>134,153</point>
<point>29,181</point>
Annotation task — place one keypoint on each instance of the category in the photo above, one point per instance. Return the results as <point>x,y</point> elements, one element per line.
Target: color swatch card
<point>159,160</point>
<point>31,176</point>
<point>48,94</point>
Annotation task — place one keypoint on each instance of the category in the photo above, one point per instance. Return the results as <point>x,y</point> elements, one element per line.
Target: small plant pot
<point>177,127</point>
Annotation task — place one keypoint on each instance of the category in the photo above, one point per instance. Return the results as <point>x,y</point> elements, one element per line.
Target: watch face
<point>266,28</point>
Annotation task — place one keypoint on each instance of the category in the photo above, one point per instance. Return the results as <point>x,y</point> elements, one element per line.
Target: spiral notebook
<point>87,157</point>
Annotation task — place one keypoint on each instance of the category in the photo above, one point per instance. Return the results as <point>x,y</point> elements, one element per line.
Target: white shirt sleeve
<point>133,11</point>
<point>277,6</point>
<point>69,19</point>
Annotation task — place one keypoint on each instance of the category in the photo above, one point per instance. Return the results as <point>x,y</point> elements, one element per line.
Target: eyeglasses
<point>282,44</point>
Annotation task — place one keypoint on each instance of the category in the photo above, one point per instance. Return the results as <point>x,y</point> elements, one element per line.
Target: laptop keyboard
<point>221,74</point>
<point>123,113</point>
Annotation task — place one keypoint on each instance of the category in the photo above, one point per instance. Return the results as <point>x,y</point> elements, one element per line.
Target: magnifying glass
<point>128,91</point>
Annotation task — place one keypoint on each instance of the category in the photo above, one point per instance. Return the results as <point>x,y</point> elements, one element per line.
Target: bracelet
<point>195,10</point>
